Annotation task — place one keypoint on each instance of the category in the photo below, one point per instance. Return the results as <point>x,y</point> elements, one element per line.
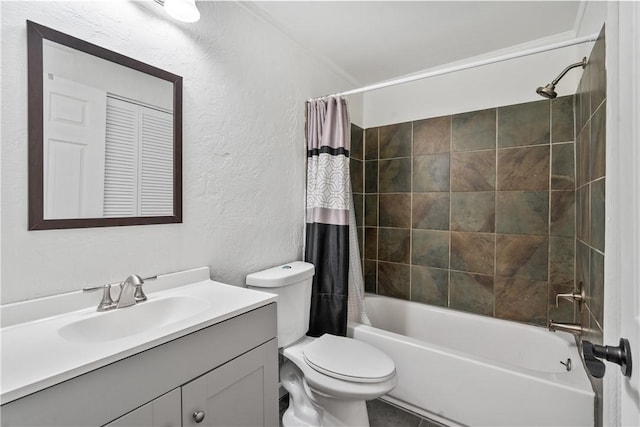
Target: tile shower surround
<point>473,211</point>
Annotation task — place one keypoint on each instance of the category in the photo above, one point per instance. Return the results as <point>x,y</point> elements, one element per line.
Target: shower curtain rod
<point>487,61</point>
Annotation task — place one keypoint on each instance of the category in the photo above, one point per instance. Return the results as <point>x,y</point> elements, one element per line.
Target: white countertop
<point>36,356</point>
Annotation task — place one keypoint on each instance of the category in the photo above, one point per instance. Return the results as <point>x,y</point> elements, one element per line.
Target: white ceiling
<point>372,41</point>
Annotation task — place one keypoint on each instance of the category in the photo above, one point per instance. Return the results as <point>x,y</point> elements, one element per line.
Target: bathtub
<point>464,369</point>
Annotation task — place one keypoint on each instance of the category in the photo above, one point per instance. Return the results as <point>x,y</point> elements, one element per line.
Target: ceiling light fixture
<point>182,10</point>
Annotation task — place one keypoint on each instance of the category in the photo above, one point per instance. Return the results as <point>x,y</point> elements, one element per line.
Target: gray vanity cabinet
<point>228,370</point>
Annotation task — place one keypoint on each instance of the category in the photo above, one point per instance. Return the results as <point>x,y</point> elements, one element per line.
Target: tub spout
<point>572,328</point>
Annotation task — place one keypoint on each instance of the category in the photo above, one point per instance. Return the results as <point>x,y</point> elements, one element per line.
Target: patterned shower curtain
<point>328,199</point>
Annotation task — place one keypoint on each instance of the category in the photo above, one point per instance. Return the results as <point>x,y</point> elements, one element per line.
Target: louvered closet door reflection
<point>139,160</point>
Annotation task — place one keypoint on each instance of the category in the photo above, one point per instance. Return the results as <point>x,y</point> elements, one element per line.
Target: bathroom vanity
<point>212,361</point>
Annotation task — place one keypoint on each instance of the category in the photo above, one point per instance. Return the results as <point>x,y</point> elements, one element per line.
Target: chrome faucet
<point>131,293</point>
<point>572,328</point>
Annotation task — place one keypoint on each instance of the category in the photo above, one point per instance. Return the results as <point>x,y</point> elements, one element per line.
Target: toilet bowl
<point>329,378</point>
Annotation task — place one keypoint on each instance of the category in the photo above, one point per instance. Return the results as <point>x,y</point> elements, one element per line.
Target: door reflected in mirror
<point>105,145</point>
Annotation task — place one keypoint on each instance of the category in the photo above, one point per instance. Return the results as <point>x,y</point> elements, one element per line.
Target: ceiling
<point>372,41</point>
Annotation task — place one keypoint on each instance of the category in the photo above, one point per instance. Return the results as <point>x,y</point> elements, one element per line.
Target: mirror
<point>105,136</point>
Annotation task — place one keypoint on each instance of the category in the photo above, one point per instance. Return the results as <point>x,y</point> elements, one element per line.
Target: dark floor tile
<point>395,210</point>
<point>382,414</point>
<point>563,213</point>
<point>471,292</point>
<point>395,140</point>
<point>475,130</point>
<point>522,212</point>
<point>563,173</point>
<point>432,136</point>
<point>473,171</point>
<point>562,126</point>
<point>525,257</point>
<point>473,211</point>
<point>431,173</point>
<point>521,300</point>
<point>598,143</point>
<point>523,168</point>
<point>430,285</point>
<point>597,216</point>
<point>473,252</point>
<point>430,211</point>
<point>357,142</point>
<point>395,175</point>
<point>524,124</point>
<point>430,248</point>
<point>394,280</point>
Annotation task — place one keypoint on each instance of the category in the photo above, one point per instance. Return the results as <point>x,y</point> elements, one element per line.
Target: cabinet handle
<point>198,416</point>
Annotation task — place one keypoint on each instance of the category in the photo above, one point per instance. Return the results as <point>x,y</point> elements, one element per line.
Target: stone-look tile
<point>370,243</point>
<point>358,205</point>
<point>597,218</point>
<point>598,143</point>
<point>394,244</point>
<point>371,210</point>
<point>430,248</point>
<point>585,105</point>
<point>522,212</point>
<point>430,211</point>
<point>471,292</point>
<point>525,257</point>
<point>583,156</point>
<point>473,171</point>
<point>475,130</point>
<point>563,172</point>
<point>356,168</point>
<point>371,144</point>
<point>357,142</point>
<point>523,168</point>
<point>583,262</point>
<point>395,176</point>
<point>596,285</point>
<point>521,300</point>
<point>370,276</point>
<point>395,140</point>
<point>598,73</point>
<point>562,126</point>
<point>382,414</point>
<point>395,210</point>
<point>473,211</point>
<point>430,285</point>
<point>524,124</point>
<point>564,311</point>
<point>431,173</point>
<point>432,136</point>
<point>371,176</point>
<point>394,280</point>
<point>561,259</point>
<point>473,252</point>
<point>563,213</point>
<point>583,214</point>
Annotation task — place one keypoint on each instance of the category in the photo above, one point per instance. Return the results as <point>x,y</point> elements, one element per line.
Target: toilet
<point>329,378</point>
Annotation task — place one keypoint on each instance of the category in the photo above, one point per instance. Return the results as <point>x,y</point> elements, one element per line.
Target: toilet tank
<point>292,283</point>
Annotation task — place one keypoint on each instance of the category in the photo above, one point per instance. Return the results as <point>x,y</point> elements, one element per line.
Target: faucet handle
<point>139,295</point>
<point>106,303</point>
<point>576,296</point>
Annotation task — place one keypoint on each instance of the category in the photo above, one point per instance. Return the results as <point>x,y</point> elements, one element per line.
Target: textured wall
<point>245,85</point>
<point>473,211</point>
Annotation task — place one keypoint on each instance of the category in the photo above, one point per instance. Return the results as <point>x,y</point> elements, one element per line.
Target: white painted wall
<point>245,86</point>
<point>505,83</point>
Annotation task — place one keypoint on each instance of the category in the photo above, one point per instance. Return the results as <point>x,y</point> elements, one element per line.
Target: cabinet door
<point>164,411</point>
<point>241,393</point>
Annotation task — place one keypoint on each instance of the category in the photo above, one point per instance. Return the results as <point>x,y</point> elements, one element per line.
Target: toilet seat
<point>348,359</point>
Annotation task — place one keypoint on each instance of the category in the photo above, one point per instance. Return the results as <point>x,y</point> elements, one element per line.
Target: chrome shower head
<point>549,90</point>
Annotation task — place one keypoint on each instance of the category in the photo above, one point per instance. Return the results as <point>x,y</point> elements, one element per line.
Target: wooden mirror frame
<point>36,33</point>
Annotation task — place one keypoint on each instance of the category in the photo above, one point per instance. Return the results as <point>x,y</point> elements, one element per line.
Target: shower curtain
<point>328,201</point>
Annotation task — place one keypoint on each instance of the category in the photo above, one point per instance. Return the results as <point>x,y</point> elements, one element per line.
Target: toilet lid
<point>348,359</point>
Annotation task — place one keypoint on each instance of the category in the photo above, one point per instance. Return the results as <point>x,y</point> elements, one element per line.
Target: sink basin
<point>125,322</point>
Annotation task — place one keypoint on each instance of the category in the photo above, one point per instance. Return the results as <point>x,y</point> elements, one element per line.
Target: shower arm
<point>582,64</point>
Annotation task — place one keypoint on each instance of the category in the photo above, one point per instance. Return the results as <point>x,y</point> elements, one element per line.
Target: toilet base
<point>310,408</point>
